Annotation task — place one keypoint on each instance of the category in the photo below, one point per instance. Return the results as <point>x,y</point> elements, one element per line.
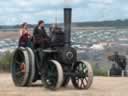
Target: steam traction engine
<point>119,65</point>
<point>54,66</point>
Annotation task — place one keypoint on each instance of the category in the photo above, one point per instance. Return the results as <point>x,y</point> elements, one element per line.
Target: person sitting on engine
<point>25,35</point>
<point>57,37</point>
<point>41,39</point>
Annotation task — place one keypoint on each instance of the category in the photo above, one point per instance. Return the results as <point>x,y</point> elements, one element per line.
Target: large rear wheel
<point>83,75</point>
<point>53,77</point>
<point>20,67</point>
<point>32,63</point>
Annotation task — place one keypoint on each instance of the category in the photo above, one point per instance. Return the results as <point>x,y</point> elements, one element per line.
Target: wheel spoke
<point>82,83</point>
<point>86,79</point>
<point>78,82</point>
<point>76,78</point>
<point>84,66</point>
<point>19,73</point>
<point>80,67</point>
<point>85,70</point>
<point>20,77</point>
<point>17,62</point>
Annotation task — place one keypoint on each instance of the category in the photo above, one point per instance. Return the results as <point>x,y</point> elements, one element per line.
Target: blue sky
<point>17,11</point>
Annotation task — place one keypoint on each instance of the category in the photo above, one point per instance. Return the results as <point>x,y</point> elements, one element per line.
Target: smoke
<point>67,3</point>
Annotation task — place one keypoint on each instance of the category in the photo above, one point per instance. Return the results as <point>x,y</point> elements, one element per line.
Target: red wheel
<point>20,67</point>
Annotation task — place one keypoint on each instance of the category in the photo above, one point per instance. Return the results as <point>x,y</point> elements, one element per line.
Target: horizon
<point>31,11</point>
<point>114,20</point>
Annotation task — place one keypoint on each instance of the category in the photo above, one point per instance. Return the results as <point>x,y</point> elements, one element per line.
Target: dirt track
<point>102,86</point>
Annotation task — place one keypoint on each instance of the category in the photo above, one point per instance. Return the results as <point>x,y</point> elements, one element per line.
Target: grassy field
<point>5,62</point>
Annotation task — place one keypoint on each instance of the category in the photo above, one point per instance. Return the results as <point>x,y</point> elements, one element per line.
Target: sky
<point>18,11</point>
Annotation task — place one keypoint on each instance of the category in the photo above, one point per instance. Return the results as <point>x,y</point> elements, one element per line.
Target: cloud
<point>15,11</point>
<point>102,1</point>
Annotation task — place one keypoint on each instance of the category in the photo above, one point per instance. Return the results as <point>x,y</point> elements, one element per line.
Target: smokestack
<point>67,26</point>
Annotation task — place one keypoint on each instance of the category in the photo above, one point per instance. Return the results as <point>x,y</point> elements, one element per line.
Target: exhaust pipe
<point>67,26</point>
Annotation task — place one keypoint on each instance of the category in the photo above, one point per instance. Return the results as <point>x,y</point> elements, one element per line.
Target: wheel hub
<point>23,67</point>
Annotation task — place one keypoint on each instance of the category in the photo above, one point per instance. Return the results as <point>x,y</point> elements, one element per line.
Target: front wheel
<point>53,76</point>
<point>83,75</point>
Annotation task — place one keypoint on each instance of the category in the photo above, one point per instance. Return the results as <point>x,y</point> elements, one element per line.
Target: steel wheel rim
<point>32,64</point>
<point>19,61</point>
<point>20,58</point>
<point>82,79</point>
<point>51,75</point>
<point>56,74</point>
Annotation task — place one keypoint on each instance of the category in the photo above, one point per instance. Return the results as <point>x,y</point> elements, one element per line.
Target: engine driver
<point>40,41</point>
<point>41,38</point>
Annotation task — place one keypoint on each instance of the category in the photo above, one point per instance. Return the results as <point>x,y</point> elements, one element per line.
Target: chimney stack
<point>67,26</point>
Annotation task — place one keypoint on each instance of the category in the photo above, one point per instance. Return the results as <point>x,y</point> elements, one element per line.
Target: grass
<point>100,71</point>
<point>5,62</point>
